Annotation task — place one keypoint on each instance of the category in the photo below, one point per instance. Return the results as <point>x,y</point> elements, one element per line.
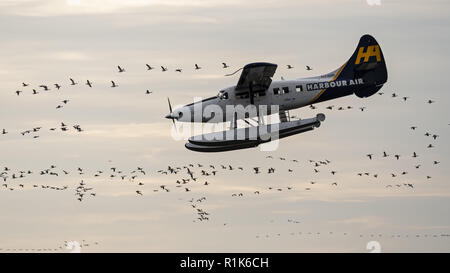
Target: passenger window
<point>285,90</point>
<point>276,91</point>
<point>299,88</point>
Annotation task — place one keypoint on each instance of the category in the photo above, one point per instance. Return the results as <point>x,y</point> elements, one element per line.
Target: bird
<point>362,108</point>
<point>430,101</point>
<point>148,67</point>
<point>414,154</point>
<point>225,65</point>
<point>120,69</point>
<point>289,66</point>
<point>88,83</point>
<point>24,84</point>
<point>413,127</point>
<point>4,132</point>
<point>405,98</point>
<point>148,92</point>
<point>197,67</point>
<point>113,84</point>
<point>308,68</point>
<point>35,92</point>
<point>18,92</point>
<point>397,156</point>
<point>57,86</point>
<point>178,70</point>
<point>369,156</point>
<point>164,69</point>
<point>435,136</point>
<point>394,95</point>
<point>65,101</point>
<point>430,146</point>
<point>72,82</point>
<point>45,87</point>
<point>139,192</point>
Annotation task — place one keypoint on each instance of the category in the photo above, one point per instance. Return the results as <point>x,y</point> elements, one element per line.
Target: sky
<point>50,41</point>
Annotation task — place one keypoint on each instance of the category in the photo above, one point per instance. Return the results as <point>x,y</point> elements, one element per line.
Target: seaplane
<point>255,96</point>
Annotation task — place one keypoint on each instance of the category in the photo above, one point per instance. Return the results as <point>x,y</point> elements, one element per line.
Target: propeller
<point>169,116</point>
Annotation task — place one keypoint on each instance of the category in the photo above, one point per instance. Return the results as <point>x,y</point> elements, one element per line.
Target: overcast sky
<point>50,41</point>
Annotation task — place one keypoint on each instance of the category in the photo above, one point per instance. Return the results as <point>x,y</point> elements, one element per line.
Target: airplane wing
<point>258,75</point>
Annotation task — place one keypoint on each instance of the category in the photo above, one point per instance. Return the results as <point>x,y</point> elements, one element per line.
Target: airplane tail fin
<point>367,62</point>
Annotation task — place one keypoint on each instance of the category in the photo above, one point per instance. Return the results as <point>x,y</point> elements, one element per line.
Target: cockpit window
<point>223,95</point>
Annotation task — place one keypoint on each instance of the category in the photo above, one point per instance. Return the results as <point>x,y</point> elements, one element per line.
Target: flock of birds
<point>363,108</point>
<point>194,177</point>
<point>315,234</point>
<point>120,69</point>
<point>35,130</point>
<point>72,82</point>
<point>64,247</point>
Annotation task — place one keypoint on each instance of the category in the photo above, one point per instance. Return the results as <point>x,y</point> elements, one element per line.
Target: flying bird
<point>45,87</point>
<point>120,69</point>
<point>197,67</point>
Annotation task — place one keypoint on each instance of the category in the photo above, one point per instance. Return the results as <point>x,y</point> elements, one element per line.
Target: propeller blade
<point>170,106</point>
<point>170,109</point>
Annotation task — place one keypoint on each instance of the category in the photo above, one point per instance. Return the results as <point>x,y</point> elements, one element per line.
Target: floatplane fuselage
<point>256,95</point>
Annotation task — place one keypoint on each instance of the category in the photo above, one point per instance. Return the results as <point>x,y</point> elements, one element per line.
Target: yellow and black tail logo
<point>373,50</point>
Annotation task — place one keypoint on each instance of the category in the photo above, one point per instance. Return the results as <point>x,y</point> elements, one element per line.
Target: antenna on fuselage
<point>234,72</point>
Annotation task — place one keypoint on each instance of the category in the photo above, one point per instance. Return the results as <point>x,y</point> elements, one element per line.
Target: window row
<point>285,90</point>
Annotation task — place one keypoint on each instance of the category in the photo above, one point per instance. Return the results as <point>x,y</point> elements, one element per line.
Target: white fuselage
<point>286,94</point>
